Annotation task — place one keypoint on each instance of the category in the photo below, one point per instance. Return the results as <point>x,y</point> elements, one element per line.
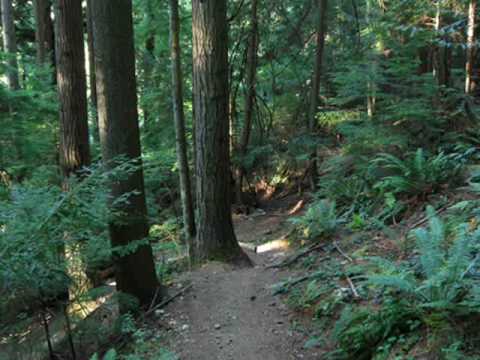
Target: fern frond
<point>396,282</point>
<point>459,256</point>
<point>431,256</point>
<point>419,162</point>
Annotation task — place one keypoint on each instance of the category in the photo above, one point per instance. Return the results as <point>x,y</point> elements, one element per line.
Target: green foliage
<point>29,122</point>
<point>418,174</point>
<point>110,355</point>
<point>367,333</point>
<point>301,299</point>
<point>49,238</point>
<point>376,50</point>
<point>320,220</point>
<point>256,157</point>
<point>145,343</point>
<point>445,285</point>
<point>432,293</point>
<point>36,224</point>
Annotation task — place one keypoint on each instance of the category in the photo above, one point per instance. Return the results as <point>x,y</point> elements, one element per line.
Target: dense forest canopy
<point>143,141</point>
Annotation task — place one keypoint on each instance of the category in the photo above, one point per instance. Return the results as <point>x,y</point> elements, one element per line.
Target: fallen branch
<point>426,218</point>
<point>168,300</point>
<point>297,207</point>
<point>154,300</point>
<point>288,284</point>
<point>337,247</point>
<point>289,261</point>
<point>352,287</point>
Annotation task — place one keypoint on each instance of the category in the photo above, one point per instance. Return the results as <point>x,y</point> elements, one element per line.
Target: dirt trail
<point>231,313</point>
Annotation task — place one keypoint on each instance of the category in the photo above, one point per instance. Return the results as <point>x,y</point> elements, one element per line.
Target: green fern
<point>444,283</point>
<point>320,220</point>
<point>418,173</point>
<point>433,296</point>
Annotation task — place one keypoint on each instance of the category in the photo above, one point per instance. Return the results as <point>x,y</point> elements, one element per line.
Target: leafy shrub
<point>320,220</point>
<point>50,239</point>
<point>444,285</point>
<point>436,292</point>
<point>418,173</point>
<point>37,222</point>
<point>347,191</point>
<point>300,299</point>
<point>365,333</point>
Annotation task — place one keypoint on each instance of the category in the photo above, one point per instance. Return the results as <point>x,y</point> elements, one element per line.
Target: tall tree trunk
<point>179,115</point>
<point>44,34</point>
<point>148,65</point>
<point>72,87</point>
<point>372,62</point>
<point>72,92</point>
<point>471,46</point>
<point>10,44</point>
<point>91,71</point>
<point>250,95</point>
<point>120,136</point>
<point>441,53</point>
<point>215,237</point>
<point>315,90</point>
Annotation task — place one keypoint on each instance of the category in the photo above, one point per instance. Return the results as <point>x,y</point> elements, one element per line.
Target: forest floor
<point>231,313</point>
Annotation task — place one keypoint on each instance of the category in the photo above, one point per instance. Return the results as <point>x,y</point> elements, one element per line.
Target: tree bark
<point>148,67</point>
<point>441,53</point>
<point>250,96</point>
<point>10,44</point>
<point>372,62</point>
<point>91,71</point>
<point>471,47</point>
<point>216,238</point>
<point>179,116</point>
<point>120,136</point>
<point>251,78</point>
<point>72,88</point>
<point>44,34</point>
<point>317,74</point>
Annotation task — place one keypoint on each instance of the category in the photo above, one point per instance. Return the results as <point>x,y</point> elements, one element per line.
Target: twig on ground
<point>288,284</point>
<point>289,261</point>
<point>168,300</point>
<point>298,206</point>
<point>154,300</point>
<point>337,247</point>
<point>426,218</point>
<point>352,287</point>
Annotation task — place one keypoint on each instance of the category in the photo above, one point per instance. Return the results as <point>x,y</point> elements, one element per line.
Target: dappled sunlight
<point>273,246</point>
<point>251,180</point>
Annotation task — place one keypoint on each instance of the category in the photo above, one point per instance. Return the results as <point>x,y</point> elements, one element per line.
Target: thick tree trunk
<point>10,44</point>
<point>471,46</point>
<point>44,34</point>
<point>179,116</point>
<point>120,136</point>
<point>72,88</point>
<point>91,71</point>
<point>315,90</point>
<point>215,235</point>
<point>249,97</point>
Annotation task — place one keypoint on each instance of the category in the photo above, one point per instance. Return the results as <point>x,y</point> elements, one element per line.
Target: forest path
<point>231,313</point>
